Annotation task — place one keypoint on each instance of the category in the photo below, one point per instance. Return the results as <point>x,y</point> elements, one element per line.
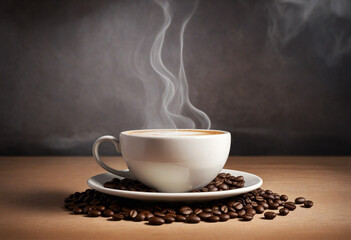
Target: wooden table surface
<point>32,190</point>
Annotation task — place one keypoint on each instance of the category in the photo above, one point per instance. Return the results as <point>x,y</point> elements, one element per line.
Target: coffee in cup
<point>170,160</point>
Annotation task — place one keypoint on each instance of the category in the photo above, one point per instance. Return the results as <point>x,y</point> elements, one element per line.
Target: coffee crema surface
<point>175,132</point>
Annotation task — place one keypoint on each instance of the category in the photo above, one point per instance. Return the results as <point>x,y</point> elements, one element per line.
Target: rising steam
<point>325,20</point>
<point>172,108</point>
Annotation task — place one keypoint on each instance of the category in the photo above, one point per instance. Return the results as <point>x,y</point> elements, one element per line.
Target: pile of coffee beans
<point>244,207</point>
<point>223,181</point>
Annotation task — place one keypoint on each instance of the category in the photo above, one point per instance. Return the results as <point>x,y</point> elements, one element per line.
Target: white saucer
<point>252,182</point>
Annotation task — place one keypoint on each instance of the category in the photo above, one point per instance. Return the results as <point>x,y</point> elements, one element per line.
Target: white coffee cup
<point>170,160</point>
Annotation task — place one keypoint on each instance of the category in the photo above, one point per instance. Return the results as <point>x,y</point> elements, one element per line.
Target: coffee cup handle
<point>112,139</point>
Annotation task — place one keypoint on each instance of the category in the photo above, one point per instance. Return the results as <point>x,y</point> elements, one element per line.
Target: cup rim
<point>222,133</point>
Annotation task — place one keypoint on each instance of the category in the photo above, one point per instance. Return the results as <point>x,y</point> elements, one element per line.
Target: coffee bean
<point>273,205</point>
<point>308,203</point>
<point>125,214</point>
<point>238,206</point>
<point>171,215</point>
<point>185,210</point>
<point>224,217</point>
<point>77,211</point>
<point>233,214</point>
<point>222,175</point>
<point>193,219</point>
<point>159,214</point>
<point>156,221</point>
<point>108,213</point>
<point>268,192</point>
<point>270,196</point>
<point>133,213</point>
<point>148,215</point>
<point>239,184</point>
<point>300,200</point>
<point>224,209</point>
<point>239,179</point>
<point>269,215</point>
<point>241,213</point>
<point>208,210</point>
<point>284,197</point>
<point>169,219</point>
<point>259,198</point>
<point>94,213</point>
<point>251,211</point>
<point>247,217</point>
<point>259,209</point>
<point>214,189</point>
<point>224,186</point>
<point>125,209</point>
<point>100,208</point>
<point>117,217</point>
<point>265,205</point>
<point>180,218</point>
<point>289,205</point>
<point>139,217</point>
<point>204,215</point>
<point>216,212</point>
<point>115,207</point>
<point>197,211</point>
<point>213,218</point>
<point>283,211</point>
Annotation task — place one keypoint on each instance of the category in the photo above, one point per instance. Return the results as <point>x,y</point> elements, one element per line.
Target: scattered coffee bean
<point>265,205</point>
<point>238,206</point>
<point>197,211</point>
<point>290,205</point>
<point>117,217</point>
<point>224,217</point>
<point>169,219</point>
<point>108,213</point>
<point>156,221</point>
<point>94,213</point>
<point>224,209</point>
<point>284,197</point>
<point>148,215</point>
<point>77,211</point>
<point>269,215</point>
<point>243,206</point>
<point>204,215</point>
<point>216,212</point>
<point>159,214</point>
<point>300,200</point>
<point>241,213</point>
<point>259,209</point>
<point>193,219</point>
<point>308,203</point>
<point>180,218</point>
<point>139,217</point>
<point>233,214</point>
<point>213,218</point>
<point>133,213</point>
<point>283,211</point>
<point>273,205</point>
<point>185,210</point>
<point>247,217</point>
<point>251,211</point>
<point>100,208</point>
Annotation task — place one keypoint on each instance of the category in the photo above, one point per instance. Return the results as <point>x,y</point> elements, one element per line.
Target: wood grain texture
<point>32,190</point>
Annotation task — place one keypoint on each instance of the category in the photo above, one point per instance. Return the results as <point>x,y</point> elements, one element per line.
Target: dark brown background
<point>65,78</point>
